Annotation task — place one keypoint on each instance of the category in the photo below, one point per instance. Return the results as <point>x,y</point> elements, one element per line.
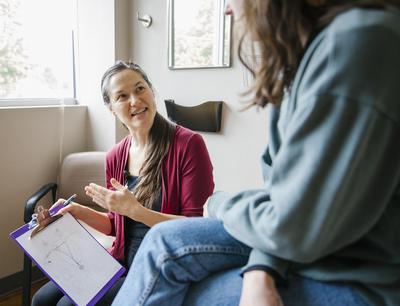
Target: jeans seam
<point>181,252</point>
<point>206,249</point>
<point>149,288</point>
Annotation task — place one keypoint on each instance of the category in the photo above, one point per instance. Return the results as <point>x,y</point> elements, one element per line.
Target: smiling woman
<point>132,101</point>
<point>159,172</point>
<point>128,93</point>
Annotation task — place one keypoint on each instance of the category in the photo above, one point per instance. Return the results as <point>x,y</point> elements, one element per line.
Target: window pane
<point>196,31</point>
<point>36,53</point>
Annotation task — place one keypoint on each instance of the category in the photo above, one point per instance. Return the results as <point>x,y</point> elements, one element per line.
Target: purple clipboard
<point>72,258</point>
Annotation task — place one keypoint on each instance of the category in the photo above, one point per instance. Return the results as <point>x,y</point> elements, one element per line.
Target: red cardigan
<point>187,179</point>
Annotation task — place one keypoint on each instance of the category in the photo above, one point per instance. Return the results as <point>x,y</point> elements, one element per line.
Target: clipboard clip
<point>43,218</point>
<point>40,220</point>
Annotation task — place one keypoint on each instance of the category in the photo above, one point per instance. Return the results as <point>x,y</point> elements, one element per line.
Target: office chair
<point>77,171</point>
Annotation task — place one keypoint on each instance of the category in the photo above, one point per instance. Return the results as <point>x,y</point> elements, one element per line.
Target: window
<point>199,34</point>
<point>36,51</point>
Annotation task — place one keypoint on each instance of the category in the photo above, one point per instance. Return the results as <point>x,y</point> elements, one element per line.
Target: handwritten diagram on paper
<point>63,248</point>
<point>71,257</point>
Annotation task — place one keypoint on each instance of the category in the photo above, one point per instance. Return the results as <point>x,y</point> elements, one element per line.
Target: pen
<point>69,200</point>
<point>55,210</point>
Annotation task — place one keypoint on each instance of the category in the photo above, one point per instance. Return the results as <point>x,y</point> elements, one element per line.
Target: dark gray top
<point>135,231</point>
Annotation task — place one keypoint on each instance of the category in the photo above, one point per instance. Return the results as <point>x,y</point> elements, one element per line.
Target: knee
<point>172,226</point>
<point>39,298</point>
<point>164,232</point>
<point>34,301</point>
<point>176,233</point>
<point>48,294</point>
<point>176,228</point>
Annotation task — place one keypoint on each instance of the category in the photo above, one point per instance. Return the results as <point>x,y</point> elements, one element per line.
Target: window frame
<point>28,102</point>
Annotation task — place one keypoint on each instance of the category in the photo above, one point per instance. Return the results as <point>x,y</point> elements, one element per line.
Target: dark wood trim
<point>13,282</point>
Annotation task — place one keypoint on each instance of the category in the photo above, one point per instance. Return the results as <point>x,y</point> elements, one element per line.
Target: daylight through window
<point>36,49</point>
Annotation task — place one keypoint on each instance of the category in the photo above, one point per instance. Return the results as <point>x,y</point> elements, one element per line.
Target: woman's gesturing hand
<point>121,201</point>
<point>259,289</point>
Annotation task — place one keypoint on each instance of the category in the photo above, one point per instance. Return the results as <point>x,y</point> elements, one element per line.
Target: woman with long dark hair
<point>159,172</point>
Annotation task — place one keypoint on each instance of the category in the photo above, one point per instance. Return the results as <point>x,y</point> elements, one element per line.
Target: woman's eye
<point>140,88</point>
<point>121,97</point>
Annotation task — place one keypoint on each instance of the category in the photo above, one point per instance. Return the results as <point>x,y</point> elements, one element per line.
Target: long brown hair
<point>281,28</point>
<point>161,136</point>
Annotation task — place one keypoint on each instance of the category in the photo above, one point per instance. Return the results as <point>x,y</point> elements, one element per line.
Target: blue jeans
<point>196,262</point>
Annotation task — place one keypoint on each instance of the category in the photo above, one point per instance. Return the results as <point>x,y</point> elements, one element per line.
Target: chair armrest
<point>35,198</point>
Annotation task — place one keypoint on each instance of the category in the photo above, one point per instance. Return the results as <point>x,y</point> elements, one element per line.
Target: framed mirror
<point>199,34</point>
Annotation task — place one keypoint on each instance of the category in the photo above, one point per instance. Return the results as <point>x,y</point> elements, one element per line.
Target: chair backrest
<point>77,171</point>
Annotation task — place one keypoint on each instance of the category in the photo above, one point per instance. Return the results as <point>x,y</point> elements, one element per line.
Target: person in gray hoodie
<point>324,229</point>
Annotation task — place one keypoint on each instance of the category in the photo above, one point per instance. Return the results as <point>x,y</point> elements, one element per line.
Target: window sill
<point>13,103</point>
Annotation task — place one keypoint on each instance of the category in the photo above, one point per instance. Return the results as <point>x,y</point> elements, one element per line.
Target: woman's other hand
<point>121,201</point>
<point>259,289</point>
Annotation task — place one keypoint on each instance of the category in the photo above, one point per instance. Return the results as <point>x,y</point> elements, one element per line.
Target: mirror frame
<point>171,40</point>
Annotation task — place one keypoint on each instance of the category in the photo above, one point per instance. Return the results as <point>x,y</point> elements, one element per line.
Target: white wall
<point>96,52</point>
<point>235,151</point>
<point>29,158</point>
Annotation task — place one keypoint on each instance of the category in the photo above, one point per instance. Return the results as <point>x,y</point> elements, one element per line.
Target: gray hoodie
<point>330,207</point>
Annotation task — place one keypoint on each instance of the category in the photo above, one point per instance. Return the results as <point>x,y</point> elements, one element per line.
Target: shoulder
<point>118,149</point>
<point>358,35</point>
<point>184,137</point>
<point>364,31</point>
<point>363,20</point>
<point>356,57</point>
<point>187,145</point>
<point>362,34</point>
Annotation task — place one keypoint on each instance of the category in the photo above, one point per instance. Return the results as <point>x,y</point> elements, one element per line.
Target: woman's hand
<point>121,201</point>
<point>75,209</point>
<point>95,219</point>
<point>259,289</point>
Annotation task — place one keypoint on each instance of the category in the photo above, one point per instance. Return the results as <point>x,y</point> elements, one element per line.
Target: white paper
<point>72,258</point>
